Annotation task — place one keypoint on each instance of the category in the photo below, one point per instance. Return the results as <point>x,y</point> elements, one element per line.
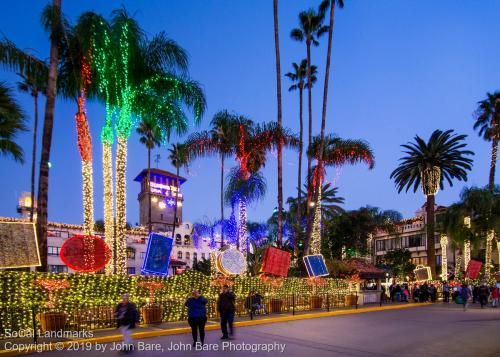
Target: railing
<point>85,318</point>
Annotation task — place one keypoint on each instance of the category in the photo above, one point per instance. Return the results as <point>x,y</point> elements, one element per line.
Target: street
<point>437,330</point>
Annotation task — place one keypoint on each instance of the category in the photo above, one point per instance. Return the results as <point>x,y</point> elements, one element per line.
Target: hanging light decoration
<point>444,257</point>
<point>431,178</point>
<point>467,249</point>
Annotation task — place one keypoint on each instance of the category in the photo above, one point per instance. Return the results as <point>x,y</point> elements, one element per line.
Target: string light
<point>109,220</point>
<point>458,263</point>
<point>444,257</point>
<point>489,250</point>
<point>315,245</point>
<point>121,212</point>
<point>242,227</point>
<point>431,178</point>
<point>467,248</point>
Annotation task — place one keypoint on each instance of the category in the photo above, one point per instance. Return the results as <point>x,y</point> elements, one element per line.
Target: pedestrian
<point>197,315</point>
<point>446,292</point>
<point>475,294</point>
<point>424,292</point>
<point>406,293</point>
<point>465,294</point>
<point>126,317</point>
<point>433,293</point>
<point>398,292</point>
<point>226,308</point>
<point>392,291</point>
<point>495,294</point>
<point>483,293</point>
<point>416,293</point>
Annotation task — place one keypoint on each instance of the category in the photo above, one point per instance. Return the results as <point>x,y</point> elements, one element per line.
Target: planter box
<point>52,321</point>
<point>316,302</point>
<point>351,300</point>
<point>152,314</point>
<point>275,305</point>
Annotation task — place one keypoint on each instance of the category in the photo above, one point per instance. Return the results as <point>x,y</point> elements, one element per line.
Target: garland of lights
<point>489,250</point>
<point>458,263</point>
<point>242,227</point>
<point>431,178</point>
<point>121,215</point>
<point>444,257</point>
<point>109,220</point>
<point>467,248</point>
<point>315,245</point>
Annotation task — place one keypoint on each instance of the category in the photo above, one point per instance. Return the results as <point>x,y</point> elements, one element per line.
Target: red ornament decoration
<point>85,253</point>
<point>276,262</point>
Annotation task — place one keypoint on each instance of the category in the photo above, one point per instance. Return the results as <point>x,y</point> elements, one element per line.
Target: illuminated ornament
<point>431,178</point>
<point>52,285</point>
<point>151,286</point>
<point>85,253</point>
<point>422,273</point>
<point>171,202</point>
<point>444,257</point>
<point>231,262</point>
<point>158,253</point>
<point>315,265</point>
<point>276,262</point>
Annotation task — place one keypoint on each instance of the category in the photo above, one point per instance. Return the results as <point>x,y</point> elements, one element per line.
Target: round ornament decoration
<point>85,253</point>
<point>231,262</point>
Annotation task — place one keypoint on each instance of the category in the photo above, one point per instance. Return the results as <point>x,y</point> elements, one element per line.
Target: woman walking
<point>197,316</point>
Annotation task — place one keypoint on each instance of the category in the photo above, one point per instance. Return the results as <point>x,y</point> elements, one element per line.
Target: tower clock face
<point>231,262</point>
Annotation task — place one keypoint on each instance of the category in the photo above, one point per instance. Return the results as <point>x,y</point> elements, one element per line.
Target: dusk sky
<point>400,68</point>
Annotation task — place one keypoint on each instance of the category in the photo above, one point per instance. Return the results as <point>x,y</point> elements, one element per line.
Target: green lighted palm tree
<point>310,29</point>
<point>12,123</point>
<point>150,136</point>
<point>488,125</point>
<point>299,79</point>
<point>428,165</point>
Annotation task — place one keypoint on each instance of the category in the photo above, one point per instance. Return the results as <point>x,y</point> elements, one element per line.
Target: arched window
<point>195,256</point>
<point>178,239</point>
<point>188,256</point>
<point>187,239</point>
<point>179,255</point>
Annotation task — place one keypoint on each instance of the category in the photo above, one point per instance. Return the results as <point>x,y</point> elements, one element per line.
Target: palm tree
<point>488,124</point>
<point>12,122</point>
<point>241,190</point>
<point>178,157</point>
<point>330,202</point>
<point>310,29</point>
<point>335,152</point>
<point>428,164</point>
<point>279,121</point>
<point>221,140</point>
<point>33,86</point>
<point>150,137</point>
<point>299,77</point>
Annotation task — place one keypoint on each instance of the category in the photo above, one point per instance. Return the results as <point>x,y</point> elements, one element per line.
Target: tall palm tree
<point>330,202</point>
<point>178,157</point>
<point>335,152</point>
<point>221,140</point>
<point>150,136</point>
<point>242,190</point>
<point>427,165</point>
<point>33,86</point>
<point>299,78</point>
<point>279,121</point>
<point>12,123</point>
<point>310,29</point>
<point>488,124</point>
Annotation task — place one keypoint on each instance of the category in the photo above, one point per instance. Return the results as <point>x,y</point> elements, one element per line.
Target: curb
<point>59,346</point>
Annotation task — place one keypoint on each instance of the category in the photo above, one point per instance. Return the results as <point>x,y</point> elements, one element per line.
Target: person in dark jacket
<point>197,315</point>
<point>126,317</point>
<point>483,295</point>
<point>226,308</point>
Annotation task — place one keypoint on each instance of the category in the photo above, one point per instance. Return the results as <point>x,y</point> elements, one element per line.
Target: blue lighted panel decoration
<point>157,255</point>
<point>315,265</point>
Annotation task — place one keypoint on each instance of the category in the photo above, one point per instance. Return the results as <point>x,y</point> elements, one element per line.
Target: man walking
<point>484,294</point>
<point>126,318</point>
<point>465,294</point>
<point>226,308</point>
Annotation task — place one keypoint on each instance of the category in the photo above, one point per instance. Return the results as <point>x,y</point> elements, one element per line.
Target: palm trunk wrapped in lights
<point>458,265</point>
<point>315,246</point>
<point>467,245</point>
<point>488,258</point>
<point>431,178</point>
<point>121,212</point>
<point>444,257</point>
<point>242,226</point>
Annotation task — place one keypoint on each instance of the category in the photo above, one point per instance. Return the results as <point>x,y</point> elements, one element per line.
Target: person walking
<point>126,317</point>
<point>446,292</point>
<point>483,294</point>
<point>197,316</point>
<point>495,294</point>
<point>226,308</point>
<point>465,294</point>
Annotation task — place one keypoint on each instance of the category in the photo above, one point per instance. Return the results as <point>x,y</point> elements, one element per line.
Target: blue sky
<point>400,68</point>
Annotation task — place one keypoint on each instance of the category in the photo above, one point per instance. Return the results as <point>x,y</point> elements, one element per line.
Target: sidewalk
<point>180,327</point>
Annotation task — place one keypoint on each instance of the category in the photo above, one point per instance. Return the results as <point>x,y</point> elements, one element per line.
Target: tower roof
<point>158,172</point>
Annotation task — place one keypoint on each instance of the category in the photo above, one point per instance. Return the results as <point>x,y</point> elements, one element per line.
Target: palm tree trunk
<point>109,220</point>
<point>43,176</point>
<point>242,226</point>
<point>150,227</point>
<point>121,205</point>
<point>309,108</point>
<point>431,244</point>
<point>280,145</point>
<point>176,198</point>
<point>301,146</point>
<point>494,153</point>
<point>222,200</point>
<point>33,155</point>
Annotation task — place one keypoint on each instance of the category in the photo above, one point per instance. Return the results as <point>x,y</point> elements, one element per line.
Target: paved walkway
<point>433,330</point>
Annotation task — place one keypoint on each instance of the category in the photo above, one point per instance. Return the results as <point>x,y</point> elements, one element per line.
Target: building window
<point>142,255</point>
<point>416,241</point>
<point>130,253</point>
<point>195,256</point>
<point>53,250</point>
<point>188,256</point>
<point>131,270</point>
<point>161,216</point>
<point>202,255</point>
<point>187,239</point>
<point>178,239</point>
<point>179,255</point>
<point>380,245</point>
<point>438,260</point>
<point>58,268</point>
